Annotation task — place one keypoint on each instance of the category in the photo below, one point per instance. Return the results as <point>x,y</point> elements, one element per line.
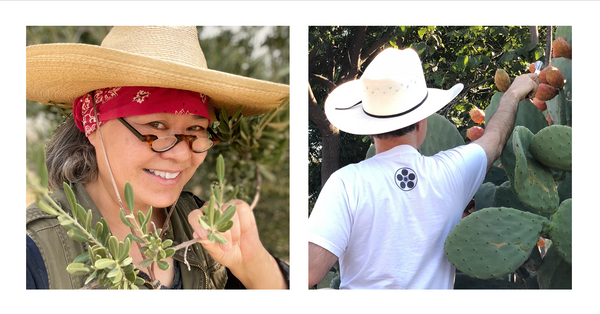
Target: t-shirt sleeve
<point>467,164</point>
<point>330,222</point>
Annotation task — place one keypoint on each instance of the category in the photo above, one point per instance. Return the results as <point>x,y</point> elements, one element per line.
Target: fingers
<point>534,82</point>
<point>245,217</point>
<point>243,221</point>
<point>193,220</point>
<point>234,232</point>
<point>202,233</point>
<point>525,86</point>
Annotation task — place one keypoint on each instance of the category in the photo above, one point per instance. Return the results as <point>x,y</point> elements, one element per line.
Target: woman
<point>135,98</point>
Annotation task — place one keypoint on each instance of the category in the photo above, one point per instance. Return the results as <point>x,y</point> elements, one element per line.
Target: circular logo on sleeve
<point>406,179</point>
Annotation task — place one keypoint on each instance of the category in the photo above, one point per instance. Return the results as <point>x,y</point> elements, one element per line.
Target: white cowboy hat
<point>390,95</point>
<point>156,56</point>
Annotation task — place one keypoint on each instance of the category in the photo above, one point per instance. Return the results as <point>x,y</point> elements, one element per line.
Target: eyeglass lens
<point>200,144</point>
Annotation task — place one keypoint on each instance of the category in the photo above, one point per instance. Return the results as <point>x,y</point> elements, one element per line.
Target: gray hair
<point>70,157</point>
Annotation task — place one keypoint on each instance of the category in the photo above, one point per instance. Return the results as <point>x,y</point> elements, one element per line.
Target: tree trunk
<point>534,35</point>
<point>548,45</point>
<point>330,137</point>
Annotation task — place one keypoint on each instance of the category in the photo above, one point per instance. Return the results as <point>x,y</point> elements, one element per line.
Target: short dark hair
<point>396,133</point>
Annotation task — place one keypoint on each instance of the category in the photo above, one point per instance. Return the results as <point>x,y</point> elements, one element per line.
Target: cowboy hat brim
<point>355,121</point>
<point>59,73</point>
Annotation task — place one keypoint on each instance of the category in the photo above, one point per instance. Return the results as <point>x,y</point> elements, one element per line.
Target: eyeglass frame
<point>149,138</point>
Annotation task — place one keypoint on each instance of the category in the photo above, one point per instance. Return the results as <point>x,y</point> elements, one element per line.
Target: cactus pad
<point>506,196</point>
<point>441,135</point>
<point>560,230</point>
<point>533,181</point>
<point>528,115</point>
<point>552,147</point>
<point>493,242</point>
<point>484,197</point>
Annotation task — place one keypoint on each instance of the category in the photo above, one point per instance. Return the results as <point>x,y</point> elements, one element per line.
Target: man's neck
<point>382,145</point>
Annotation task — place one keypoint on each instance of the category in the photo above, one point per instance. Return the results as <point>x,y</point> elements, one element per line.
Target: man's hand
<point>501,124</point>
<point>524,86</point>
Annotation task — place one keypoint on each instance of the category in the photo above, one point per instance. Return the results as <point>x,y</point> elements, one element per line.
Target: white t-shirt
<point>387,217</point>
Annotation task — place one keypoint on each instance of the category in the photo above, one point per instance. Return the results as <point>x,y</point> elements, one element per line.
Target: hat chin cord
<point>164,227</point>
<point>106,157</point>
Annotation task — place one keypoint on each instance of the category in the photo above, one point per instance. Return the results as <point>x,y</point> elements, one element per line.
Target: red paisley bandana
<point>117,102</point>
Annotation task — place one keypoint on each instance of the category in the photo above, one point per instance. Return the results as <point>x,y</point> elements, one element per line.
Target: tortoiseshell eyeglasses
<point>164,143</point>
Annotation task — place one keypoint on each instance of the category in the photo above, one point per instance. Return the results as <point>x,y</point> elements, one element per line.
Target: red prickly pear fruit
<point>546,92</point>
<point>562,47</point>
<point>475,132</point>
<point>532,68</point>
<point>555,77</point>
<point>477,115</point>
<point>540,104</point>
<point>549,119</point>
<point>542,76</point>
<point>554,54</point>
<point>502,80</point>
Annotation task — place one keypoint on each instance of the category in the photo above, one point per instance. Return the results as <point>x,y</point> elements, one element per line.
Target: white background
<point>14,16</point>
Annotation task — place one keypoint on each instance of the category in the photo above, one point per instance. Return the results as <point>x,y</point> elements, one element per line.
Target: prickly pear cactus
<point>533,182</point>
<point>494,241</point>
<point>441,135</point>
<point>552,147</point>
<point>537,160</point>
<point>505,195</point>
<point>561,230</point>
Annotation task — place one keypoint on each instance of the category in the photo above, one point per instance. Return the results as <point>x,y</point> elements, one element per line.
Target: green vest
<point>58,250</point>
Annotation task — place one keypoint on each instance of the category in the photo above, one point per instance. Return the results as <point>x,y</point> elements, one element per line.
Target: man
<point>386,218</point>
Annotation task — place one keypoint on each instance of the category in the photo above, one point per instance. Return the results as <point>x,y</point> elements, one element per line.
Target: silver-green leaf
<point>129,195</point>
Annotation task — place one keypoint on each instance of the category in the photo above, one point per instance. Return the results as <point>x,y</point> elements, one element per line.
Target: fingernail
<point>226,247</point>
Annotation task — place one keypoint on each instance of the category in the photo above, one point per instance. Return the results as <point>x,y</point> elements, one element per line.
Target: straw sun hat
<point>390,95</point>
<point>160,56</point>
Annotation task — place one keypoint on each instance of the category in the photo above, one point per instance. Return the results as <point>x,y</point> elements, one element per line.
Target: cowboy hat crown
<point>391,94</point>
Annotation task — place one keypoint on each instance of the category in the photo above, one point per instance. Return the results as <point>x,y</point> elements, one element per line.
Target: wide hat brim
<point>356,121</point>
<point>59,73</point>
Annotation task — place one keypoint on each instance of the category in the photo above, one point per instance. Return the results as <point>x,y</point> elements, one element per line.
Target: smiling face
<point>157,178</point>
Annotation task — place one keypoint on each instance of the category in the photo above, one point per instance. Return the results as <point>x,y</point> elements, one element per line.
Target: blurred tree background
<point>449,54</point>
<point>257,52</point>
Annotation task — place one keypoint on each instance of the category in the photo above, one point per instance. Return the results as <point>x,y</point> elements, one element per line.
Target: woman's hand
<point>243,254</point>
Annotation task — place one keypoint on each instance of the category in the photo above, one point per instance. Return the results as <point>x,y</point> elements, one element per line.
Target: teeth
<point>164,174</point>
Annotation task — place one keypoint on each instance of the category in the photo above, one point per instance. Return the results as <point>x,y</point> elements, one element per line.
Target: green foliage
<point>213,221</point>
<point>255,148</point>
